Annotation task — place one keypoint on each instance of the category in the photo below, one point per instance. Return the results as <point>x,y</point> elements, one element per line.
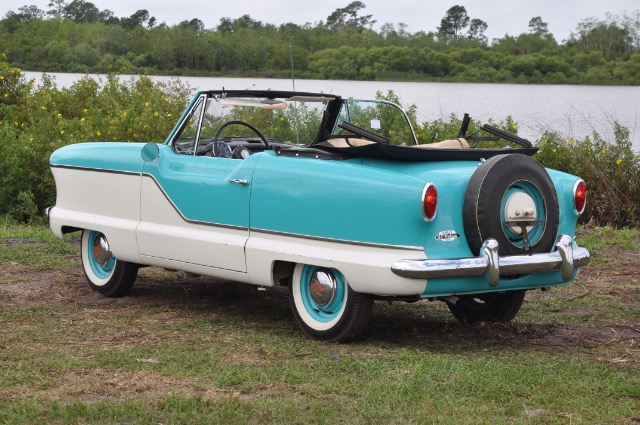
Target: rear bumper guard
<point>565,259</point>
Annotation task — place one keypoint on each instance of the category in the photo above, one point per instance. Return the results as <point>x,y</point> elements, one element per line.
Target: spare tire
<point>503,190</point>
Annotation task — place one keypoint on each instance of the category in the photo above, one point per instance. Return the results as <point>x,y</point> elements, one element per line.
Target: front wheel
<point>105,274</point>
<point>488,307</point>
<point>325,306</point>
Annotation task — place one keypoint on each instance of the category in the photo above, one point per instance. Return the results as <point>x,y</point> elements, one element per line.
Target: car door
<point>195,208</point>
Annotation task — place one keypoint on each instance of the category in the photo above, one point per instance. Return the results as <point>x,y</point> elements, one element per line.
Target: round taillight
<point>580,196</point>
<point>429,202</point>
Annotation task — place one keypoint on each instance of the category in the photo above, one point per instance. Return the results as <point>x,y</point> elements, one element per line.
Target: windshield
<point>293,120</point>
<point>383,118</point>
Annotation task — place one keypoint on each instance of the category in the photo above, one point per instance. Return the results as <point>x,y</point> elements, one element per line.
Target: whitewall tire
<point>325,306</point>
<point>104,272</point>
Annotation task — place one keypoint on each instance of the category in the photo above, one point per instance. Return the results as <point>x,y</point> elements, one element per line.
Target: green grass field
<point>187,350</point>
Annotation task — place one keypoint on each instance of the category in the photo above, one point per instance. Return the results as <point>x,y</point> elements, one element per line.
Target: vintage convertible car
<point>331,197</point>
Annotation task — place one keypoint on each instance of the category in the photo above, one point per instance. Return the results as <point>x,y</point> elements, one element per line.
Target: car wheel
<point>105,274</point>
<point>502,189</point>
<point>488,307</point>
<point>325,306</point>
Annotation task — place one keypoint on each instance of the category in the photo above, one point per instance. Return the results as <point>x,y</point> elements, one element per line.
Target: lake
<point>572,111</point>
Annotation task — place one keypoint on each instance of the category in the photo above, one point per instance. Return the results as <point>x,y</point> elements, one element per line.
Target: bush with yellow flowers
<point>35,120</point>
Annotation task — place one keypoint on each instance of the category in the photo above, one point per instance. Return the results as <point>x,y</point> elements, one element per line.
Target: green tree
<point>609,37</point>
<point>455,20</point>
<point>538,26</point>
<point>348,17</point>
<point>81,11</point>
<point>26,14</point>
<point>477,27</point>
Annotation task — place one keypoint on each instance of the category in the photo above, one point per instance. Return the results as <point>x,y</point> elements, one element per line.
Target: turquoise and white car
<point>331,197</point>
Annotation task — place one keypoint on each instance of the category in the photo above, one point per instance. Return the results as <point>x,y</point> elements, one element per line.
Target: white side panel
<point>98,192</point>
<point>366,268</point>
<point>102,201</point>
<point>164,233</point>
<point>195,268</point>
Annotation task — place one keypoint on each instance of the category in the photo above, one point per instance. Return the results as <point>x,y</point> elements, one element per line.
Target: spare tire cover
<point>501,185</point>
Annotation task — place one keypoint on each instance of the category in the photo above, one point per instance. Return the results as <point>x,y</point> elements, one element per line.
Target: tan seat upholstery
<point>342,143</point>
<point>446,144</point>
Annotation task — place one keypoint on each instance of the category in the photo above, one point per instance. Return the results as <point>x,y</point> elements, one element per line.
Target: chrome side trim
<point>489,264</point>
<point>100,170</point>
<point>343,241</point>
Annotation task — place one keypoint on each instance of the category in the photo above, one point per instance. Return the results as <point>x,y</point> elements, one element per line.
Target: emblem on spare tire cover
<point>447,236</point>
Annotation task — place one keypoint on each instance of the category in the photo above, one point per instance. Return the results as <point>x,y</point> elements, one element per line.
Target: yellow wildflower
<point>61,131</point>
<point>618,161</point>
<point>155,114</point>
<point>98,133</point>
<point>604,151</point>
<point>82,119</point>
<point>514,126</point>
<point>571,141</point>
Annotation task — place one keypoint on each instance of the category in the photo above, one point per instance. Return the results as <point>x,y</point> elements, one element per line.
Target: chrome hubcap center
<point>101,251</point>
<point>520,210</point>
<point>322,288</point>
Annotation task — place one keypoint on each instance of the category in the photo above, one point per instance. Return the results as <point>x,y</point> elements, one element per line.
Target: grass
<point>196,350</point>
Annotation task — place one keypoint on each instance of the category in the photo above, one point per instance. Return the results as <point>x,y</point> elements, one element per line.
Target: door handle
<point>239,181</point>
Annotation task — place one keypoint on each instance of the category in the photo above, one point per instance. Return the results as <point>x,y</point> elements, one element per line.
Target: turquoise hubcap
<point>99,254</point>
<point>322,291</point>
<point>535,232</point>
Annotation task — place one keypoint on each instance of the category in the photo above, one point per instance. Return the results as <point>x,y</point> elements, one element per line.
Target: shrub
<point>36,120</point>
<point>611,170</point>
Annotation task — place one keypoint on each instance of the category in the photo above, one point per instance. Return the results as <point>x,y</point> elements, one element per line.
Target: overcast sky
<point>503,16</point>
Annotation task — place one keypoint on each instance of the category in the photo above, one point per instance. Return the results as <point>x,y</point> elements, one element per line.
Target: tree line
<point>77,36</point>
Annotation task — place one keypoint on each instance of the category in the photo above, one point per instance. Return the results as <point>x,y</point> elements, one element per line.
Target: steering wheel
<point>217,150</point>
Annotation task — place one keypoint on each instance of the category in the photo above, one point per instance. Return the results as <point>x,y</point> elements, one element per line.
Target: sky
<point>502,16</point>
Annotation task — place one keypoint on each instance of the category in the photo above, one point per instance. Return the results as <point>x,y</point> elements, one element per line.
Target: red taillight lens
<point>429,202</point>
<point>580,196</point>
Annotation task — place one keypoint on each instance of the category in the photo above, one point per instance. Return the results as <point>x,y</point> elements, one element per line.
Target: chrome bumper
<point>565,259</point>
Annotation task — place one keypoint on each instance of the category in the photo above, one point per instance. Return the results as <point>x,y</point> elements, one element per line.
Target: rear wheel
<point>325,306</point>
<point>488,307</point>
<point>105,274</point>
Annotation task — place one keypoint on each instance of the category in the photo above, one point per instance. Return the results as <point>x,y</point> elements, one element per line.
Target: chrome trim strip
<point>344,241</point>
<point>100,170</point>
<point>566,259</point>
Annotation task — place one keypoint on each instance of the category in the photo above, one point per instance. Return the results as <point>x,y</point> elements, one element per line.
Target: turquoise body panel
<point>199,186</point>
<point>344,200</point>
<point>108,156</point>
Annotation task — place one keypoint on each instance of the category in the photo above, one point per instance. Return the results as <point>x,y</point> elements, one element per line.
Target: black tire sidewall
<point>483,202</point>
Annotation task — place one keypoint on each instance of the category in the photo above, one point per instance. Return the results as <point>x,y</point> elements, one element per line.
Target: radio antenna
<point>293,80</point>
